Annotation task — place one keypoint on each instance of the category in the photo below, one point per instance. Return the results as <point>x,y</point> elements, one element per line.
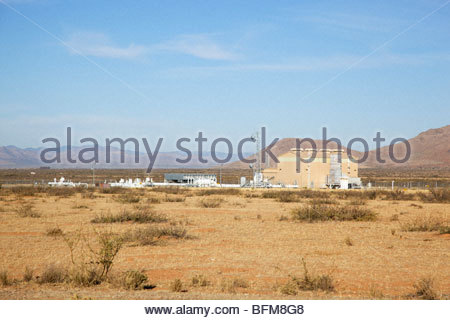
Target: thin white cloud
<point>99,45</point>
<point>198,45</point>
<point>317,64</point>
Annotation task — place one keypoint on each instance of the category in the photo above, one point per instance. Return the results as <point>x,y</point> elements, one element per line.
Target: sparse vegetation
<point>230,285</point>
<point>211,202</point>
<point>139,215</point>
<point>309,282</point>
<point>219,191</point>
<point>55,232</point>
<point>53,274</point>
<point>127,198</point>
<point>424,224</point>
<point>177,286</point>
<point>28,274</point>
<point>200,280</point>
<point>4,279</point>
<point>153,236</point>
<point>174,198</point>
<point>425,290</point>
<point>439,195</point>
<point>348,241</point>
<point>26,210</point>
<point>134,280</point>
<point>311,213</point>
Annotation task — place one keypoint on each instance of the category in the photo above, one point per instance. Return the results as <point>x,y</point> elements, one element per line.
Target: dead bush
<point>138,215</point>
<point>174,198</point>
<point>200,281</point>
<point>211,202</point>
<point>177,286</point>
<point>26,210</point>
<point>424,290</point>
<point>311,213</point>
<point>134,280</point>
<point>309,282</point>
<point>28,274</point>
<point>54,232</point>
<point>152,236</point>
<point>438,195</point>
<point>219,191</point>
<point>171,190</point>
<point>230,285</point>
<point>424,224</point>
<point>127,198</point>
<point>92,260</point>
<point>53,274</point>
<point>4,278</point>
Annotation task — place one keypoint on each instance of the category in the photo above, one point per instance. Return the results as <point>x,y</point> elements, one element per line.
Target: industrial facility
<point>329,168</point>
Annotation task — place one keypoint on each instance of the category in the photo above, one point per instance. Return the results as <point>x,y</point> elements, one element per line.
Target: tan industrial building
<point>322,172</point>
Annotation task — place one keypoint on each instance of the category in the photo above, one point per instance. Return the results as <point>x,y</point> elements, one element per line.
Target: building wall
<point>311,175</point>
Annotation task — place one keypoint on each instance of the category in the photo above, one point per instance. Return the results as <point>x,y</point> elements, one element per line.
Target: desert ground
<point>193,243</point>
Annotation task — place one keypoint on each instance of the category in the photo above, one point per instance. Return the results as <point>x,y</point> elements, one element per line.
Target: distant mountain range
<point>429,149</point>
<point>14,157</point>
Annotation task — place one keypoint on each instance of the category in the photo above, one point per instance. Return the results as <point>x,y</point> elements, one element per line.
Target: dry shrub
<point>26,210</point>
<point>283,218</point>
<point>177,286</point>
<point>141,214</point>
<point>322,201</point>
<point>424,224</point>
<point>444,230</point>
<point>25,191</point>
<point>153,200</point>
<point>348,241</point>
<point>213,202</point>
<point>152,236</point>
<point>127,198</point>
<point>219,191</point>
<point>230,285</point>
<point>133,280</point>
<point>54,232</point>
<point>174,198</point>
<point>115,190</point>
<point>357,202</point>
<point>313,213</point>
<point>63,192</point>
<point>28,274</point>
<point>425,290</point>
<point>438,195</point>
<point>53,274</point>
<point>4,279</point>
<point>92,260</point>
<point>396,194</point>
<point>323,282</point>
<point>171,190</point>
<point>200,281</point>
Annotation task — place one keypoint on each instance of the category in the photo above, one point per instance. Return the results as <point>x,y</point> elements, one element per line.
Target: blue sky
<point>172,68</point>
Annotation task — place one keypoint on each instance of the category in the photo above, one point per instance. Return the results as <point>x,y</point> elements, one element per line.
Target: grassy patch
<point>213,202</point>
<point>54,232</point>
<point>424,224</point>
<point>152,236</point>
<point>424,290</point>
<point>308,282</point>
<point>438,195</point>
<point>311,213</point>
<point>219,191</point>
<point>139,215</point>
<point>53,274</point>
<point>26,210</point>
<point>127,198</point>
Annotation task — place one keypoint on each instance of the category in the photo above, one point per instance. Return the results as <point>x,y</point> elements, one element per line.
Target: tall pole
<point>93,175</point>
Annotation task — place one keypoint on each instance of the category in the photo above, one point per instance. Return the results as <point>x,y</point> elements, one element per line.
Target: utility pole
<point>93,175</point>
